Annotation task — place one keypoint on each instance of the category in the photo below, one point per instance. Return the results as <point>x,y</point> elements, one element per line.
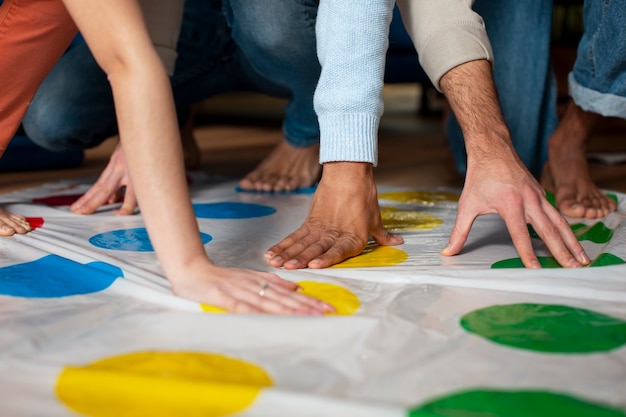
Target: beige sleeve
<point>163,19</point>
<point>446,33</point>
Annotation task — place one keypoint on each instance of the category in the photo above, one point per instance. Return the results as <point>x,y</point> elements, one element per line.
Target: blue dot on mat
<point>231,210</point>
<point>131,240</point>
<point>305,190</point>
<point>53,276</point>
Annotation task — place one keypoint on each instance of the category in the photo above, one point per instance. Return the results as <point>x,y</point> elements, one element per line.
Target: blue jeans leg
<point>73,108</point>
<point>598,80</point>
<point>277,38</point>
<point>519,32</point>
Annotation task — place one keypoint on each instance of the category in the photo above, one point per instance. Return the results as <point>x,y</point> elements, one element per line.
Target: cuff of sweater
<point>349,137</point>
<point>463,43</point>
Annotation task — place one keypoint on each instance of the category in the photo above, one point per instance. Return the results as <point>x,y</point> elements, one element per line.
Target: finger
<point>13,223</point>
<point>460,231</point>
<point>237,305</point>
<point>129,204</point>
<point>565,240</point>
<point>262,296</point>
<point>286,284</point>
<point>326,251</point>
<point>93,199</point>
<point>296,301</point>
<point>335,253</point>
<point>518,229</point>
<point>287,248</point>
<point>385,238</point>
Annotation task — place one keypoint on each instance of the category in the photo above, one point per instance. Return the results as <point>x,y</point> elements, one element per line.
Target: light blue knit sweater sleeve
<point>352,40</point>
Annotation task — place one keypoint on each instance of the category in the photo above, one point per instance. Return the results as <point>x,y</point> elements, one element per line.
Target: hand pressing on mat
<point>11,224</point>
<point>108,188</point>
<point>344,213</point>
<point>496,180</point>
<point>244,291</point>
<point>501,185</point>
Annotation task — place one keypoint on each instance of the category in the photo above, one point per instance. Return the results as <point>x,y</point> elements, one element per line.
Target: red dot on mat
<point>35,222</point>
<point>58,200</point>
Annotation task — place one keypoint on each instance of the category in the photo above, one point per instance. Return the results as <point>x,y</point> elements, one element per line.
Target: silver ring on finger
<point>263,289</point>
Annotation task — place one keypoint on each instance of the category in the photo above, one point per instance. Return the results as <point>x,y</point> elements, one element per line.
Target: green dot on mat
<point>547,328</point>
<point>498,403</point>
<point>544,261</point>
<point>596,233</point>
<point>604,259</point>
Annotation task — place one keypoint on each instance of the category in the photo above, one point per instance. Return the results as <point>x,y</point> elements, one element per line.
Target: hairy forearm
<point>472,95</point>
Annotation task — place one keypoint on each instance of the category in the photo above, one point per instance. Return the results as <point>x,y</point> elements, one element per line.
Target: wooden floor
<point>237,131</point>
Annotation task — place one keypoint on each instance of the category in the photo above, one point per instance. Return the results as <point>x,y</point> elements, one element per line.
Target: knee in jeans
<point>55,133</point>
<point>275,27</point>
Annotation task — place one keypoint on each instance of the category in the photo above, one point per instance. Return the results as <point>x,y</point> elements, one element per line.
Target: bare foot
<point>11,224</point>
<point>566,173</point>
<point>286,169</point>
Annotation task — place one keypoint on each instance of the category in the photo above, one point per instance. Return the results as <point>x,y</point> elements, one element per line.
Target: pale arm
<point>115,33</point>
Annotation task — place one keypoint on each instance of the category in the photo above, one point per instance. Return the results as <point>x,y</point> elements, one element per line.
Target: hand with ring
<point>245,291</point>
<point>263,288</point>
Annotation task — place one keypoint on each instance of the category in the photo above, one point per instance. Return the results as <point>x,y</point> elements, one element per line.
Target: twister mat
<point>88,326</point>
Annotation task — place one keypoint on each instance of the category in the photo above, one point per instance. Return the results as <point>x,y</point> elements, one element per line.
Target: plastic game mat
<point>88,325</point>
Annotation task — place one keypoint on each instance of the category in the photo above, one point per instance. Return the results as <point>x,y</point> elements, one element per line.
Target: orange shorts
<point>33,36</point>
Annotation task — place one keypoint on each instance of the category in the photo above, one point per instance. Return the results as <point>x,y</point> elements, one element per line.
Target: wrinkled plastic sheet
<point>91,328</point>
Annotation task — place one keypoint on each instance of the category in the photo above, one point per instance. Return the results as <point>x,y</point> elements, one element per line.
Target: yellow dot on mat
<point>163,384</point>
<point>344,301</point>
<point>212,309</point>
<point>397,220</point>
<point>419,197</point>
<point>374,255</point>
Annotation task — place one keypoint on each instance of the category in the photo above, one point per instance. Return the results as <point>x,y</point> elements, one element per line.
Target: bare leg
<point>566,172</point>
<point>287,168</point>
<point>11,224</point>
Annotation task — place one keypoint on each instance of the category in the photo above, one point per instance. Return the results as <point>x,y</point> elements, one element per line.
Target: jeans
<point>264,46</point>
<point>519,32</point>
<point>598,80</point>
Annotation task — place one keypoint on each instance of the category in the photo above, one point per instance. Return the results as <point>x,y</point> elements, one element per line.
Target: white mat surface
<point>88,325</point>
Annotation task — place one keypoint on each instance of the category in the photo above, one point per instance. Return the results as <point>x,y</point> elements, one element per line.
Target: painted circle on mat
<point>304,190</point>
<point>58,200</point>
<point>398,220</point>
<point>596,233</point>
<point>131,240</point>
<point>512,404</point>
<point>53,276</point>
<point>420,197</point>
<point>604,259</point>
<point>344,301</point>
<point>375,256</point>
<point>231,210</point>
<point>162,384</point>
<point>547,328</point>
<point>35,222</point>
